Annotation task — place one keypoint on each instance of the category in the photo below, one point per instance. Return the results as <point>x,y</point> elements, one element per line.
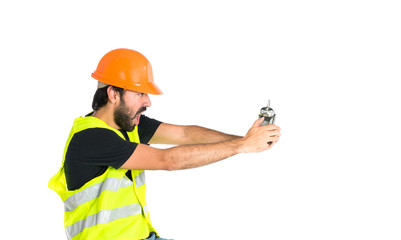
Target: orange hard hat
<point>127,69</point>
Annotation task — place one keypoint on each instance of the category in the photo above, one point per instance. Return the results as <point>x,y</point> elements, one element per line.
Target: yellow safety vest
<point>110,206</point>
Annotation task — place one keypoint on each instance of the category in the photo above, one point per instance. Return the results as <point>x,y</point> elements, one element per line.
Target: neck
<point>106,115</point>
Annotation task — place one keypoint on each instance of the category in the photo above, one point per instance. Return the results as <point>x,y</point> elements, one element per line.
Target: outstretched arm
<point>191,156</point>
<point>184,135</point>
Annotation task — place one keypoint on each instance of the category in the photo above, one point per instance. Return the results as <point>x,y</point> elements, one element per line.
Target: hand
<point>258,137</point>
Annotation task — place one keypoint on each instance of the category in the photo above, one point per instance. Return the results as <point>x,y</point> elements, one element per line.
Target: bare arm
<point>183,135</point>
<point>191,156</point>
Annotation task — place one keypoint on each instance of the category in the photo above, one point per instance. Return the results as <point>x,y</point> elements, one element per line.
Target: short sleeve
<point>147,128</point>
<point>91,152</point>
<point>102,147</point>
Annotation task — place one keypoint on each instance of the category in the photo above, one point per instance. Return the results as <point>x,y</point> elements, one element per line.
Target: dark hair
<point>101,98</point>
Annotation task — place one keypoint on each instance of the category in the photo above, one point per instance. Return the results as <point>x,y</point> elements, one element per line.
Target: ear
<point>114,96</point>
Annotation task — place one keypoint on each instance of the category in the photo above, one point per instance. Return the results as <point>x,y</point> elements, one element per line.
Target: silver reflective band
<point>90,193</point>
<point>104,216</point>
<point>145,209</point>
<point>140,179</point>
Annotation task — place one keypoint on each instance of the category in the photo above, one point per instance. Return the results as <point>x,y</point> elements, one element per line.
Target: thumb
<point>258,122</point>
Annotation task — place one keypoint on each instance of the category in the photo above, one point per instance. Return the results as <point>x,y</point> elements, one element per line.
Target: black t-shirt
<point>93,150</point>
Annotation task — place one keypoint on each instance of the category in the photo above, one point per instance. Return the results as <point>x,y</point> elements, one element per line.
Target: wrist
<point>239,145</point>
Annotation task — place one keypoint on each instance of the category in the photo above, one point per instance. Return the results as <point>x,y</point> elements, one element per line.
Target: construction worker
<point>102,178</point>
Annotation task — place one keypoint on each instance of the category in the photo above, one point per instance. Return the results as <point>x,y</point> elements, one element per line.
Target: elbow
<point>172,166</point>
<point>170,162</point>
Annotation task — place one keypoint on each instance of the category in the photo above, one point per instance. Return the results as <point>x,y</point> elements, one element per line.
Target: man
<point>102,180</point>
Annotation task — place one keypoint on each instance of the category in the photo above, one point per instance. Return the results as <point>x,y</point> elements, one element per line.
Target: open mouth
<point>138,115</point>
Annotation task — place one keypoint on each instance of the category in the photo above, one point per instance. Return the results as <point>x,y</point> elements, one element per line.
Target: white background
<point>330,68</point>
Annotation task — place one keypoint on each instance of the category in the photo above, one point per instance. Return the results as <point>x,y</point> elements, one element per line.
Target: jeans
<point>153,236</point>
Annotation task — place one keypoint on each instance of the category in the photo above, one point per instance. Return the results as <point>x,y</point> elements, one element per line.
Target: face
<point>128,112</point>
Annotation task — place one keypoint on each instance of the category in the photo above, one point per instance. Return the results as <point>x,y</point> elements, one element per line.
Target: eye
<point>141,94</point>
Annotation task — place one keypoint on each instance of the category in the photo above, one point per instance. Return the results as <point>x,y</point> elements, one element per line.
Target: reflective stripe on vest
<point>103,216</point>
<point>94,211</point>
<point>90,193</point>
<point>140,179</point>
<point>110,184</point>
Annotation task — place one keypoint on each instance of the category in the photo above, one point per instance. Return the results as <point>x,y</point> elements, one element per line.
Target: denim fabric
<point>153,236</point>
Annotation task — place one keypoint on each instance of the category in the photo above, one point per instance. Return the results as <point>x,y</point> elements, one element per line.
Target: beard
<point>122,116</point>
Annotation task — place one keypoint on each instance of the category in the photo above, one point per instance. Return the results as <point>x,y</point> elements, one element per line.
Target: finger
<point>258,122</point>
<point>272,127</point>
<point>273,139</point>
<point>276,127</point>
<point>274,132</point>
<point>277,135</point>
